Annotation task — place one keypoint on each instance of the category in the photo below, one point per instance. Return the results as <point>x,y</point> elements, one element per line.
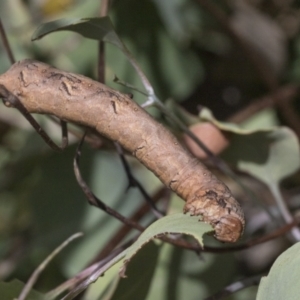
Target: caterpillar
<point>75,98</point>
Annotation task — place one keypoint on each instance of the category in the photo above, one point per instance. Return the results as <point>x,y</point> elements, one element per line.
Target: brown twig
<point>219,250</point>
<point>284,94</point>
<point>124,230</point>
<point>92,138</point>
<point>289,113</point>
<point>6,44</point>
<point>80,277</point>
<point>11,100</point>
<point>101,47</point>
<point>37,272</point>
<point>235,287</point>
<point>133,182</point>
<point>95,268</point>
<point>93,200</point>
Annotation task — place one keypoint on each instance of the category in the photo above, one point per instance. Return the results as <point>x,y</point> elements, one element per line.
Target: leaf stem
<point>288,218</point>
<point>82,286</point>
<point>33,278</point>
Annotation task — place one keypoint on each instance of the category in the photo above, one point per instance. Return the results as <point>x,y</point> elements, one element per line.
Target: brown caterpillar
<point>75,98</point>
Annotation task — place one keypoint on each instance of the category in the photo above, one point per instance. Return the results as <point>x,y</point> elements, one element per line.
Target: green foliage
<point>144,259</point>
<point>100,29</point>
<point>145,262</point>
<point>178,223</point>
<point>282,280</point>
<point>179,47</point>
<point>11,290</point>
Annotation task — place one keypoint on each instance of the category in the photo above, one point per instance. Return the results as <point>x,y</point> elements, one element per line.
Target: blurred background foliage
<point>190,52</point>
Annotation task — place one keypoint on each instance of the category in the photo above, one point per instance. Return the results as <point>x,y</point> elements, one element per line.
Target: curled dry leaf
<point>212,137</point>
<point>75,98</point>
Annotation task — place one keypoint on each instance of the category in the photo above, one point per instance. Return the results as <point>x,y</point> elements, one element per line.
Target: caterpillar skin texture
<point>76,98</point>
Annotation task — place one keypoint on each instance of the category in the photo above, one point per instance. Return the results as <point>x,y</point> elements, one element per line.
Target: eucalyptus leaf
<point>206,115</point>
<point>93,28</point>
<point>177,223</point>
<point>282,281</point>
<point>100,29</point>
<point>106,285</point>
<point>143,263</point>
<point>182,274</point>
<point>11,290</point>
<point>268,153</point>
<point>270,156</point>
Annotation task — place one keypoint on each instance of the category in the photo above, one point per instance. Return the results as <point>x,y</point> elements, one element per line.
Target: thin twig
<point>101,47</point>
<point>219,250</point>
<point>80,277</point>
<point>130,86</point>
<point>92,138</point>
<point>124,230</point>
<point>215,159</point>
<point>101,62</point>
<point>133,182</point>
<point>93,272</point>
<point>96,274</point>
<point>235,287</point>
<point>11,100</point>
<point>70,283</point>
<point>285,93</point>
<point>92,199</point>
<point>285,213</point>
<point>35,275</point>
<point>263,71</point>
<point>98,268</point>
<point>6,44</point>
<point>289,113</point>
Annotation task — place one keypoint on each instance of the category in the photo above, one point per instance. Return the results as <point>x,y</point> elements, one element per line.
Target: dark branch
<point>6,44</point>
<point>11,100</point>
<point>133,182</point>
<point>235,287</point>
<point>92,199</point>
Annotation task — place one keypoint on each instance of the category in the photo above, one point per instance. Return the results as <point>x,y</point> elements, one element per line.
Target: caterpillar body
<point>76,98</point>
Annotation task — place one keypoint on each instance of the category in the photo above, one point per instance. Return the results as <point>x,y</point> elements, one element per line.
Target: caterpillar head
<point>224,214</point>
<point>228,229</point>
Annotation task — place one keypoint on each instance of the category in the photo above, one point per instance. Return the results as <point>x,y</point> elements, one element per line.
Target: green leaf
<point>270,156</point>
<point>11,290</point>
<point>100,29</point>
<point>177,223</point>
<point>246,128</point>
<point>143,263</point>
<point>104,286</point>
<point>182,274</point>
<point>268,153</point>
<point>282,281</point>
<point>182,67</point>
<point>106,167</point>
